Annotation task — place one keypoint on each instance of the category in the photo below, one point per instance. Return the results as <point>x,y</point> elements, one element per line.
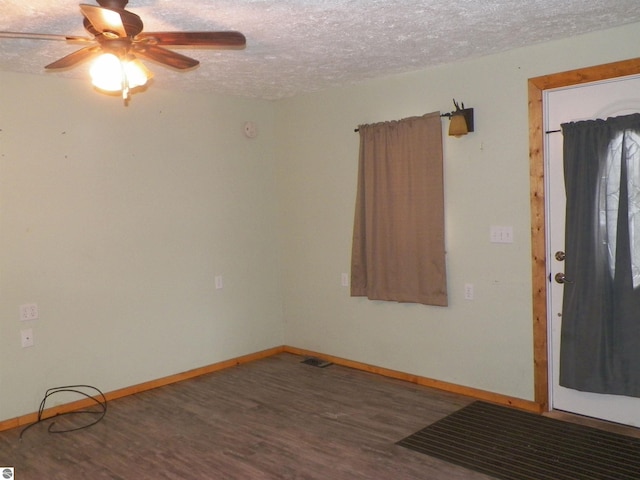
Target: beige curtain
<point>398,236</point>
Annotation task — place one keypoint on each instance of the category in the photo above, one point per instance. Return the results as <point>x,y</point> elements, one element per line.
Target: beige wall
<point>115,221</point>
<point>485,343</point>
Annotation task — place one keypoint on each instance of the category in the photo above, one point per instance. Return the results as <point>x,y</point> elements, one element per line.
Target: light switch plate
<point>501,234</point>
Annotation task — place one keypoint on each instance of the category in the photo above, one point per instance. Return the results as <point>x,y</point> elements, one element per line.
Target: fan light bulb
<point>137,73</point>
<point>110,74</point>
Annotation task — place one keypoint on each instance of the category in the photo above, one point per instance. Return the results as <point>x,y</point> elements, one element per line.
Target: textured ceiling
<point>296,46</point>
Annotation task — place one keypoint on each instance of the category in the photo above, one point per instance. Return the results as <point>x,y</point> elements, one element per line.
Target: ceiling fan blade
<point>211,39</point>
<point>44,36</point>
<point>106,20</point>
<point>164,56</point>
<point>74,58</point>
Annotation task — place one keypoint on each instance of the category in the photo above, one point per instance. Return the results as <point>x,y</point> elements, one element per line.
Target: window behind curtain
<point>398,237</point>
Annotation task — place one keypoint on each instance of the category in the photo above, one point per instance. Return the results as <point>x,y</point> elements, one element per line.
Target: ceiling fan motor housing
<point>113,3</point>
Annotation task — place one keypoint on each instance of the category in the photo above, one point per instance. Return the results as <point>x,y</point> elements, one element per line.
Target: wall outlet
<point>344,279</point>
<point>218,281</point>
<point>468,291</point>
<point>27,337</point>
<point>28,311</point>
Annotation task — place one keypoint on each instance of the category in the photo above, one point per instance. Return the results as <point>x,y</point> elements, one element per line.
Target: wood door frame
<point>538,221</point>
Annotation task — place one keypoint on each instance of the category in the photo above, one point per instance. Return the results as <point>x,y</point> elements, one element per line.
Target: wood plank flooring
<point>275,418</point>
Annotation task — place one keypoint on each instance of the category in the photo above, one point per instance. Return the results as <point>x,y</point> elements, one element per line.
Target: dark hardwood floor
<point>275,418</point>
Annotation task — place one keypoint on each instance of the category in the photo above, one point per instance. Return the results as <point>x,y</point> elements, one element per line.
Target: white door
<point>596,100</point>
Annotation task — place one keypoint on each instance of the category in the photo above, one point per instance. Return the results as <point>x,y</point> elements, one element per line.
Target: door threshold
<point>605,425</point>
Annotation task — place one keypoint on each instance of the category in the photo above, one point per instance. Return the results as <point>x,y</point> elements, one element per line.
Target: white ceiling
<point>296,46</point>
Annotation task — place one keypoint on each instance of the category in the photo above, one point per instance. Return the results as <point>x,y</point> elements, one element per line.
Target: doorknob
<point>560,255</point>
<point>560,278</point>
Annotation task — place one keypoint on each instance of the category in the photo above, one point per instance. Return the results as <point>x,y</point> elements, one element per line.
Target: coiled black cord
<point>100,400</point>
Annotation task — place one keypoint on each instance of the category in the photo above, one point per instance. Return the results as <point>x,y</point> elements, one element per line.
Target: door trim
<point>538,221</point>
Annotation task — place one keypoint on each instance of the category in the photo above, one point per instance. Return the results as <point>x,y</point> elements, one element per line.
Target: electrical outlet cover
<point>27,337</point>
<point>29,311</point>
<point>468,291</point>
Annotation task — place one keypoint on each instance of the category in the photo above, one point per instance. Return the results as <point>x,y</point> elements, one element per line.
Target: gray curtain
<point>398,235</point>
<point>600,338</point>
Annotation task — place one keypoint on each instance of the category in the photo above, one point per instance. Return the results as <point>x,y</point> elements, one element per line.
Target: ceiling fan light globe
<point>111,74</point>
<point>137,74</point>
<point>106,73</point>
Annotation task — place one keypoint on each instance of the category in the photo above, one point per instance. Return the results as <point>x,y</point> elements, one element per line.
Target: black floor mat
<point>513,445</point>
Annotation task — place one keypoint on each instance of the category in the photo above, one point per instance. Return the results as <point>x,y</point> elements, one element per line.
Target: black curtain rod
<point>448,114</point>
<point>441,115</point>
<point>548,131</point>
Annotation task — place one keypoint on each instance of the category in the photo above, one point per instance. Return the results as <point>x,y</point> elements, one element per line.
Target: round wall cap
<point>250,130</point>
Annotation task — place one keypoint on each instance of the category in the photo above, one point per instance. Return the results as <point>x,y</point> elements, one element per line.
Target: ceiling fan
<point>117,39</point>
